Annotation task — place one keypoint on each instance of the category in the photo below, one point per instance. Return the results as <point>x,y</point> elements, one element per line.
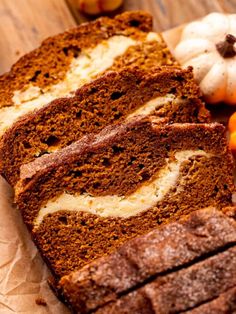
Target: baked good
<point>182,290</point>
<point>166,92</point>
<point>59,58</point>
<point>224,304</point>
<point>67,61</point>
<point>85,200</point>
<point>155,254</point>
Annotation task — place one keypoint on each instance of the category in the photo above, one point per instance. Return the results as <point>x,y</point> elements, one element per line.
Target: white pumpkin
<point>208,46</point>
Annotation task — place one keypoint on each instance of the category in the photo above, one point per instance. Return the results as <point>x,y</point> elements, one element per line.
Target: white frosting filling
<point>152,36</point>
<point>83,69</point>
<point>147,196</point>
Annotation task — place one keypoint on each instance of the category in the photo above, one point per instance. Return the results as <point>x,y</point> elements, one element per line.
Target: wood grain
<point>171,13</point>
<point>25,23</point>
<point>168,13</point>
<point>228,6</point>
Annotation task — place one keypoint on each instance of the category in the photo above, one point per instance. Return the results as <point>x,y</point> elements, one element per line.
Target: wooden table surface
<point>25,23</point>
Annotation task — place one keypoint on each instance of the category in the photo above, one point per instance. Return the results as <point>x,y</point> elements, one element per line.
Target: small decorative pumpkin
<point>96,7</point>
<point>209,46</point>
<point>232,133</point>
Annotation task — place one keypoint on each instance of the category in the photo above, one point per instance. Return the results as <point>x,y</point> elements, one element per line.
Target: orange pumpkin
<point>232,130</point>
<point>232,142</point>
<point>232,123</point>
<point>96,7</point>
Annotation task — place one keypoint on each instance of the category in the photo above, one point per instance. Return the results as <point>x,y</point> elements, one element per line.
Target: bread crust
<point>154,254</point>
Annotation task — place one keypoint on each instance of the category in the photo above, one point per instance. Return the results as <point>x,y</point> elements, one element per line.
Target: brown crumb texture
<point>95,106</point>
<point>48,64</point>
<point>138,260</point>
<point>230,212</point>
<point>181,290</point>
<point>145,55</point>
<point>118,161</point>
<point>41,301</point>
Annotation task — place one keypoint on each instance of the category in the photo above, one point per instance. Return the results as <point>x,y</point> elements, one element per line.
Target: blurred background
<point>25,23</point>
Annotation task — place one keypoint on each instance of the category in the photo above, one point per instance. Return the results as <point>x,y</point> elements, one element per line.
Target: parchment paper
<point>23,275</point>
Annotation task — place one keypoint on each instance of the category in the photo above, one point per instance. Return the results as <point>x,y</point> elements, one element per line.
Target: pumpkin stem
<point>226,47</point>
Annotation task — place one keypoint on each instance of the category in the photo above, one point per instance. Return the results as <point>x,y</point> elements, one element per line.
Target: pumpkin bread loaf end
<point>193,289</point>
<point>129,273</point>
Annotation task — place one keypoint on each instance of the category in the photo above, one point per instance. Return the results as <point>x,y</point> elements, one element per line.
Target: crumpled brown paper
<point>23,275</point>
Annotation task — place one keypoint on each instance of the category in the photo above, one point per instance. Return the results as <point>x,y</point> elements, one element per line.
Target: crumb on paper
<point>41,301</point>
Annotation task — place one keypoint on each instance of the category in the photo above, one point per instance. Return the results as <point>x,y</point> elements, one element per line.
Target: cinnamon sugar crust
<point>224,304</point>
<point>182,290</point>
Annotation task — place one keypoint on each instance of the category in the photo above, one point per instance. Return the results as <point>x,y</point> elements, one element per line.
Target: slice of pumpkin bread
<point>166,92</point>
<point>87,199</point>
<point>64,62</point>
